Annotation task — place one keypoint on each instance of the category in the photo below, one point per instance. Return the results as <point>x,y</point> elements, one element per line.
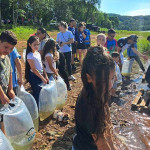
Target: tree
<point>114,21</point>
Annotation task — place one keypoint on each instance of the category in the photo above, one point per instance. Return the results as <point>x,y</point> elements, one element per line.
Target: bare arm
<point>104,143</point>
<point>49,60</point>
<point>70,41</point>
<point>10,88</point>
<point>119,49</point>
<point>35,71</point>
<point>139,54</point>
<point>19,69</point>
<point>84,35</point>
<point>4,99</point>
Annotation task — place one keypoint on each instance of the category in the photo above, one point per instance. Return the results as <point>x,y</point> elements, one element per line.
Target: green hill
<point>141,23</point>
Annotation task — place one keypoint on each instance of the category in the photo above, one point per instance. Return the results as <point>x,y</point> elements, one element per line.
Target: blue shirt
<point>74,31</point>
<point>130,51</point>
<point>87,36</point>
<point>13,56</point>
<point>80,38</point>
<point>65,37</point>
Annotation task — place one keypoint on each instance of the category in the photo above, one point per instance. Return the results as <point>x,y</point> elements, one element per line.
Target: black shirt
<point>122,42</point>
<point>85,125</point>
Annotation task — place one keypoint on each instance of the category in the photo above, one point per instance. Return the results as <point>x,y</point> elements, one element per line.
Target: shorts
<point>74,48</point>
<point>87,46</point>
<point>81,46</point>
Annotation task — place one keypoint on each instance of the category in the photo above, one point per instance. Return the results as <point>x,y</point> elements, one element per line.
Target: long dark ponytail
<point>50,46</point>
<point>28,50</point>
<point>98,65</point>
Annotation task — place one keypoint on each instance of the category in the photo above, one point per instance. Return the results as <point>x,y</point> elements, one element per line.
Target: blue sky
<point>126,7</point>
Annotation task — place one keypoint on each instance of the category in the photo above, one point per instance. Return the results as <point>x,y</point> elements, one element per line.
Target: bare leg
<point>80,55</point>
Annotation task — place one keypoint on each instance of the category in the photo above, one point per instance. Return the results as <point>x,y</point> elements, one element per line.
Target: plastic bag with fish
<point>18,124</point>
<point>127,67</point>
<point>4,143</point>
<point>62,92</point>
<point>30,103</point>
<point>47,99</point>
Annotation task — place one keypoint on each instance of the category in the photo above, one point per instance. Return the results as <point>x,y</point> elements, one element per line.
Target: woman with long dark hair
<point>92,116</point>
<point>34,71</point>
<point>43,37</point>
<point>49,57</point>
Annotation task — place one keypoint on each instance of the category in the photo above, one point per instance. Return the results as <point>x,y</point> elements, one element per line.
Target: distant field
<point>23,32</point>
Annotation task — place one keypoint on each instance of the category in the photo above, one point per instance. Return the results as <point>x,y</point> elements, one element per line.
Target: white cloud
<point>138,12</point>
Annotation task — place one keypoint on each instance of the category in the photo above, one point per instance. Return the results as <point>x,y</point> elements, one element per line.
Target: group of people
<point>100,73</point>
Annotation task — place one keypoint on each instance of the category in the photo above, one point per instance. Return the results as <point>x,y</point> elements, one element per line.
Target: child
<point>111,43</point>
<point>49,57</point>
<point>132,52</point>
<point>115,56</point>
<point>7,42</point>
<point>101,39</point>
<point>92,116</point>
<point>72,28</point>
<point>65,39</point>
<point>88,37</point>
<point>16,64</point>
<point>34,71</point>
<point>80,37</point>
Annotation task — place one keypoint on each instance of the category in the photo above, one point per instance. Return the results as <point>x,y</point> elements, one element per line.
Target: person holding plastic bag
<point>34,72</point>
<point>92,115</point>
<point>115,56</point>
<point>49,57</point>
<point>7,42</point>
<point>19,127</point>
<point>16,67</point>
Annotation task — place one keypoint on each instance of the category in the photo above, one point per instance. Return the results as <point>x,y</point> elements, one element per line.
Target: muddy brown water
<point>131,128</point>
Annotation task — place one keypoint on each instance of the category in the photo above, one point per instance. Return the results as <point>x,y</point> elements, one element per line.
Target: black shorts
<point>81,46</point>
<point>74,48</point>
<point>87,46</point>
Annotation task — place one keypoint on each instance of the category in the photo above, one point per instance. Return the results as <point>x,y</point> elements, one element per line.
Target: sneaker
<point>73,67</point>
<point>72,78</point>
<point>76,59</point>
<point>69,88</point>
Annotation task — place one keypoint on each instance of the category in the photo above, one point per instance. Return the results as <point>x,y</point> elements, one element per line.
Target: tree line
<point>46,11</point>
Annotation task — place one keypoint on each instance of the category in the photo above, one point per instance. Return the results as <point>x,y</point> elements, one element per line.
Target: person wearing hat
<point>126,43</point>
<point>133,52</point>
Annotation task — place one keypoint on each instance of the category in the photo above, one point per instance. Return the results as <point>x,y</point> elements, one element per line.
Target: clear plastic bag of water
<point>62,92</point>
<point>4,143</point>
<point>18,124</point>
<point>30,103</point>
<point>24,55</point>
<point>127,67</point>
<point>47,99</point>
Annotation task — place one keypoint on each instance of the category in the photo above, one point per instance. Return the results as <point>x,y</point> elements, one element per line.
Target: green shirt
<point>5,70</point>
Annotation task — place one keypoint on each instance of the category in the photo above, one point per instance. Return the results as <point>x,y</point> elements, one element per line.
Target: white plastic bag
<point>47,100</point>
<point>24,55</point>
<point>62,92</point>
<point>18,125</point>
<point>127,67</point>
<point>30,103</point>
<point>4,143</point>
<point>119,76</point>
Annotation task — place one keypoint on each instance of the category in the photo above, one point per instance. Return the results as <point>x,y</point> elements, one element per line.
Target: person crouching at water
<point>92,116</point>
<point>34,71</point>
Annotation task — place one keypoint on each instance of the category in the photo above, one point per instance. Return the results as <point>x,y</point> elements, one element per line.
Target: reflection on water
<point>132,129</point>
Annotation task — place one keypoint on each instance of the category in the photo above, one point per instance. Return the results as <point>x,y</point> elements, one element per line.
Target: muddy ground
<point>131,129</point>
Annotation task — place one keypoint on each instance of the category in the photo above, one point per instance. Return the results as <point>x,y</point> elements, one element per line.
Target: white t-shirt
<point>36,57</point>
<point>47,68</point>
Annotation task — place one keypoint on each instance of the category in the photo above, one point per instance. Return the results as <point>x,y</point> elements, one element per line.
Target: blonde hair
<point>101,34</point>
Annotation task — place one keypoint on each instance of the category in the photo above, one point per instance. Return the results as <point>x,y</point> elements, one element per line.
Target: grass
<point>23,33</point>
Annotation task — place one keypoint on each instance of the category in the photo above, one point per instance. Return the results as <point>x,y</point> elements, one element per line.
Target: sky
<point>126,7</point>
